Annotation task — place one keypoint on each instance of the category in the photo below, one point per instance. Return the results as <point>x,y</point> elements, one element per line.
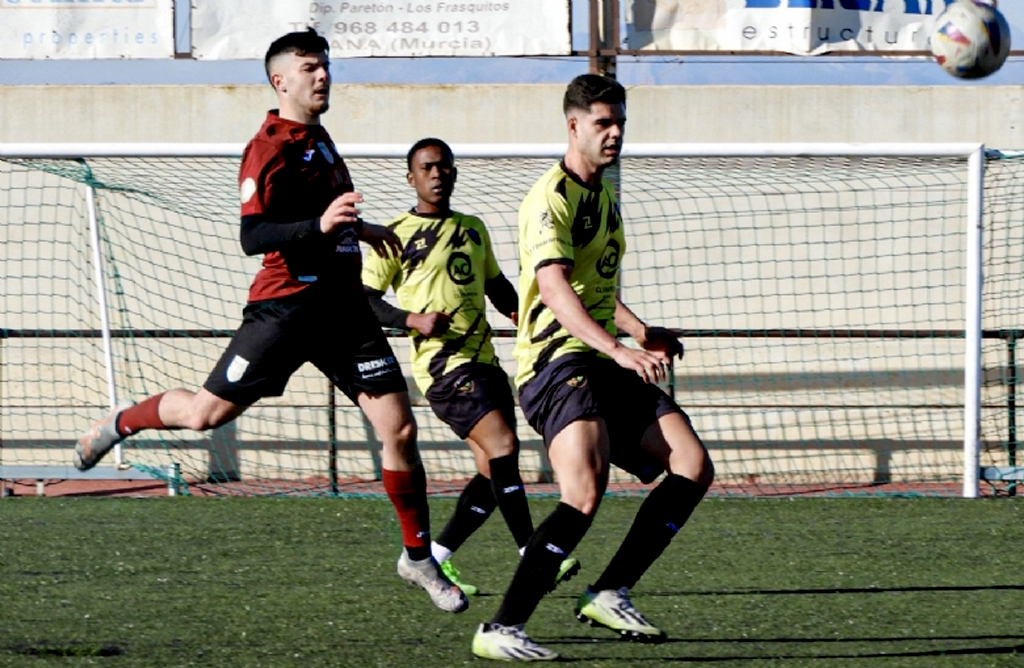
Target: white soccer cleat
<point>427,575</point>
<point>612,609</point>
<point>99,440</point>
<point>508,643</point>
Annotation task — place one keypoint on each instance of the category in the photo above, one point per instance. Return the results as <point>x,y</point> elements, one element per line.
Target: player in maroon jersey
<point>299,209</point>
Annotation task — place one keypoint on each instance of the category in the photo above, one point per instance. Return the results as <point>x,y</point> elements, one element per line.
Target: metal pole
<point>604,31</point>
<point>101,302</point>
<point>972,325</point>
<point>1011,405</point>
<point>332,425</point>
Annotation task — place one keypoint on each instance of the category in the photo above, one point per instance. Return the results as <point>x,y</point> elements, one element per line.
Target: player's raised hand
<point>341,211</point>
<point>663,342</point>
<point>649,366</point>
<point>434,323</point>
<point>382,239</point>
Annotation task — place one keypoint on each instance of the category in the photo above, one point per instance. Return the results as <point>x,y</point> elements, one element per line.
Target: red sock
<point>141,416</point>
<point>408,493</point>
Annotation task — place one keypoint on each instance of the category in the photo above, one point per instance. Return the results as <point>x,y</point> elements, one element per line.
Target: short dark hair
<point>300,43</point>
<point>586,89</point>
<point>424,143</point>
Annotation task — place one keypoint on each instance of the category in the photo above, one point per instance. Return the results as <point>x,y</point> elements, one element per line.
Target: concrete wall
<point>523,113</point>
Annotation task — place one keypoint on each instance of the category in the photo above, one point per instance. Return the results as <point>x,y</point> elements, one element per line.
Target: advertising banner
<point>223,29</point>
<point>803,27</point>
<point>35,29</point>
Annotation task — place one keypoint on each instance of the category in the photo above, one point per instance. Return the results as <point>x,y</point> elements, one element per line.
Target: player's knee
<point>404,435</point>
<point>206,417</point>
<point>502,445</point>
<point>693,463</point>
<point>585,503</point>
<point>584,495</point>
<point>203,421</point>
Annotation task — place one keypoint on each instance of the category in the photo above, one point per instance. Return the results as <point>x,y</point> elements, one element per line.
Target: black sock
<point>554,539</point>
<point>665,511</point>
<point>511,497</point>
<point>475,505</point>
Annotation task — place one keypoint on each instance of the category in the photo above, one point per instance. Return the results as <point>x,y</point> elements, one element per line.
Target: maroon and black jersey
<point>290,173</point>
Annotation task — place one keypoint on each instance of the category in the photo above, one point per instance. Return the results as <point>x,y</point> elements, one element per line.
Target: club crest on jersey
<point>237,369</point>
<point>609,262</point>
<point>328,156</point>
<point>308,155</point>
<point>460,269</point>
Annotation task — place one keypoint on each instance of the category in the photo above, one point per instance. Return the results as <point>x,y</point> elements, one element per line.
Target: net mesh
<point>823,301</point>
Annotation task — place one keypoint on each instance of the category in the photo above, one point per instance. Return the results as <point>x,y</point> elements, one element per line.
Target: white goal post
<point>825,290</point>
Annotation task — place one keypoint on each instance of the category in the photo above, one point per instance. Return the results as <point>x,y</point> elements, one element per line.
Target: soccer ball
<point>971,39</point>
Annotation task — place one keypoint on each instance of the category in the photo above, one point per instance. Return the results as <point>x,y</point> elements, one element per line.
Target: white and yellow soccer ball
<point>971,39</point>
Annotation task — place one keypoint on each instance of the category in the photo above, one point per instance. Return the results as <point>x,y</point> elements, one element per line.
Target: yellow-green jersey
<point>443,266</point>
<point>563,220</point>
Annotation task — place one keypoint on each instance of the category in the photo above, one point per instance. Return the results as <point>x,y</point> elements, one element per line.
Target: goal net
<point>825,293</point>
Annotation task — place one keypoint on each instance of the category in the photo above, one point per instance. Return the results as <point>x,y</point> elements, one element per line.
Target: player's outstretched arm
<point>388,315</point>
<point>434,323</point>
<point>557,294</point>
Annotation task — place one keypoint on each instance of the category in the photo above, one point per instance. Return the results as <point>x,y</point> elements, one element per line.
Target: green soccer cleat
<point>612,609</point>
<point>508,643</point>
<point>452,573</point>
<point>568,569</point>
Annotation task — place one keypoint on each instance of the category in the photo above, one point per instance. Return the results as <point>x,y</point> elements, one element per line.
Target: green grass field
<point>240,582</point>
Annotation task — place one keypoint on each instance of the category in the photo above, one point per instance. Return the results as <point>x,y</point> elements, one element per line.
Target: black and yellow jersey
<point>563,220</point>
<point>443,266</point>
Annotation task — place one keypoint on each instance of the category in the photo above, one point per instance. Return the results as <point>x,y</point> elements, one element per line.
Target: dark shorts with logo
<point>574,387</point>
<point>467,393</point>
<point>277,336</point>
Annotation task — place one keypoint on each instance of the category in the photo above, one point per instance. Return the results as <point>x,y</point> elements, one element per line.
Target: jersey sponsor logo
<point>348,242</point>
<point>236,369</point>
<point>328,156</point>
<point>460,269</point>
<point>308,155</point>
<point>247,190</point>
<point>609,262</point>
<point>377,367</point>
<point>545,220</point>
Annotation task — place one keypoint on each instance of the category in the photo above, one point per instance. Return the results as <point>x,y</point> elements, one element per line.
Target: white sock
<point>439,552</point>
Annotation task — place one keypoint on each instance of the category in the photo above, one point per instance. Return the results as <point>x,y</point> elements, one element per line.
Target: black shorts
<point>574,387</point>
<point>467,393</point>
<point>278,336</point>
